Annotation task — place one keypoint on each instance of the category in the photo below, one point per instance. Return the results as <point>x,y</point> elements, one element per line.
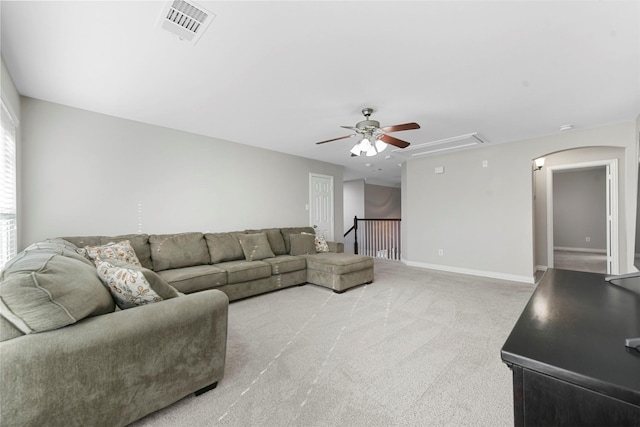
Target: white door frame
<point>613,258</point>
<point>311,202</point>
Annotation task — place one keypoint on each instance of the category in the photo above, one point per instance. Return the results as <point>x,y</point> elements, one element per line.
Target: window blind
<point>8,225</point>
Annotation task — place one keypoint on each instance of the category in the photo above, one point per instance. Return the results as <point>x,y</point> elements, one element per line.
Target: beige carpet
<point>416,347</point>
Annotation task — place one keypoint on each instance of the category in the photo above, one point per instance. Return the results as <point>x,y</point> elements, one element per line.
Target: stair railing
<point>376,237</point>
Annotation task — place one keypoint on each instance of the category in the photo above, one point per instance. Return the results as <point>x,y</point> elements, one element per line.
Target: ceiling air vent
<point>185,19</point>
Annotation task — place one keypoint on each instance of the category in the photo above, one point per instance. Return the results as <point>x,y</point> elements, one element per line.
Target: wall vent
<point>455,142</point>
<point>185,19</point>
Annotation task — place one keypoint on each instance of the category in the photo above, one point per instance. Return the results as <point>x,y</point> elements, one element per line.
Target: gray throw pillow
<point>274,236</point>
<point>255,246</point>
<point>48,291</point>
<point>288,231</point>
<point>302,244</point>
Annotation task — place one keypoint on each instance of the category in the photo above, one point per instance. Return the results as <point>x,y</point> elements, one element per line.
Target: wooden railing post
<point>355,234</point>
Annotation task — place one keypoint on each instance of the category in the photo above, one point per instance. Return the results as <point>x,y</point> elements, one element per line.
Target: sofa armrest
<point>336,247</point>
<point>115,368</point>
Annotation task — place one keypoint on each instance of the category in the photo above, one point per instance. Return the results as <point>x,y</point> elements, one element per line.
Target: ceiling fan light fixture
<point>373,138</point>
<point>380,145</point>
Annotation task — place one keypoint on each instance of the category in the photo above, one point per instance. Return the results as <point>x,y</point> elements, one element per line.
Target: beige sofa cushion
<point>196,278</point>
<point>286,264</point>
<point>302,244</point>
<point>245,271</point>
<point>224,247</point>
<point>47,291</point>
<point>178,250</point>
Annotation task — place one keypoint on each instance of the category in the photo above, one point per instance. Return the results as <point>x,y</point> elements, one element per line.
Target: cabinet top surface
<point>574,327</point>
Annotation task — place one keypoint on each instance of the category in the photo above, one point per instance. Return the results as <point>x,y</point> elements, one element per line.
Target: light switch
<point>439,169</point>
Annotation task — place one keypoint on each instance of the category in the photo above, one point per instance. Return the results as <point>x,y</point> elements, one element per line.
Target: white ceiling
<point>283,75</point>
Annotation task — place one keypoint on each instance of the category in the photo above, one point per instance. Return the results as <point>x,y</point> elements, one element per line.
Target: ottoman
<point>339,271</point>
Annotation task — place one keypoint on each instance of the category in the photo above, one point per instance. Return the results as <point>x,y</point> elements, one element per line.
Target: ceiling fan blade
<point>397,128</point>
<point>394,141</point>
<point>335,139</point>
<point>351,127</point>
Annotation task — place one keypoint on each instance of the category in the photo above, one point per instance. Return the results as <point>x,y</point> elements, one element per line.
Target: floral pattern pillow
<point>121,251</point>
<point>320,242</point>
<point>128,286</point>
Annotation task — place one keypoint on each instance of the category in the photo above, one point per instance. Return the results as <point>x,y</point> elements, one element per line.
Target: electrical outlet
<point>588,239</point>
<point>440,252</point>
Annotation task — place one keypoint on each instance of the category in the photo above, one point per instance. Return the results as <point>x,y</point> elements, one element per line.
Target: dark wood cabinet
<point>570,365</point>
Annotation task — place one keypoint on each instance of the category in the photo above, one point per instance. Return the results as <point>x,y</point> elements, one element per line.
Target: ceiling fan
<point>374,139</point>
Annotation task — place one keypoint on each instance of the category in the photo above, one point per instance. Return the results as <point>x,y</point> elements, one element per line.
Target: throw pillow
<point>320,242</point>
<point>288,231</point>
<point>255,246</point>
<point>45,291</point>
<point>132,285</point>
<point>302,244</point>
<point>122,251</point>
<point>274,236</point>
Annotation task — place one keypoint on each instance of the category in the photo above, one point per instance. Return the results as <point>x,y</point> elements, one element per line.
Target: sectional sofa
<point>244,263</point>
<point>72,353</point>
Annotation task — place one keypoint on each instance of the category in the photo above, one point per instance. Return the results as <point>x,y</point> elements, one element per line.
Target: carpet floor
<point>415,347</point>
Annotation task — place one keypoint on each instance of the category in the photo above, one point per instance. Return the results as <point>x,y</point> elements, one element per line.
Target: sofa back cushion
<point>139,243</point>
<point>224,247</point>
<point>276,241</point>
<point>302,244</point>
<point>44,291</point>
<point>287,231</point>
<point>178,250</point>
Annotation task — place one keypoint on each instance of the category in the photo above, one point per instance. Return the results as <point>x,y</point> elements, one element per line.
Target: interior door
<point>611,165</point>
<point>321,204</point>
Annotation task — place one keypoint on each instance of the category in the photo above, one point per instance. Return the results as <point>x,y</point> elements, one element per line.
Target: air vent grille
<point>185,19</point>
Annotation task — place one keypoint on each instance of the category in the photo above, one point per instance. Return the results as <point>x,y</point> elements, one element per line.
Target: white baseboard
<point>481,273</point>
<point>587,250</point>
<point>541,268</point>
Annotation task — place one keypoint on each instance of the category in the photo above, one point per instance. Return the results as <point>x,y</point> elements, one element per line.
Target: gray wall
<point>353,202</point>
<point>579,209</point>
<point>85,173</point>
<point>382,202</point>
<point>9,93</point>
<point>483,218</point>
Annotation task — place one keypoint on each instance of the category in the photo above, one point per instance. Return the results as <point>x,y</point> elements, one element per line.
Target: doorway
<point>321,204</point>
<point>578,238</point>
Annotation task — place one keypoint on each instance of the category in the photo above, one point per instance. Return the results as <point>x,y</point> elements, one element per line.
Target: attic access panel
<point>453,143</point>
